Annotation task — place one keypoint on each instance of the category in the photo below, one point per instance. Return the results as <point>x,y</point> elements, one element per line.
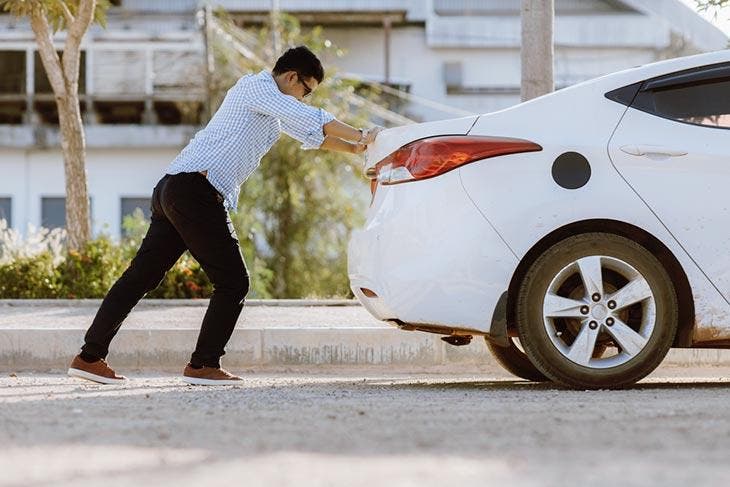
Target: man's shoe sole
<point>210,382</point>
<point>81,374</point>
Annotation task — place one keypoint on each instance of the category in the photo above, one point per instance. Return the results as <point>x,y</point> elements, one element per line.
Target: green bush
<point>32,277</point>
<point>91,272</point>
<point>38,266</point>
<point>186,279</point>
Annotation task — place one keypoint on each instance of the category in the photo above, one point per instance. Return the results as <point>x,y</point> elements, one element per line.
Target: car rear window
<point>700,96</point>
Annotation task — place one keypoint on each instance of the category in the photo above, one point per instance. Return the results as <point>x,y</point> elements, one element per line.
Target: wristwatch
<point>363,135</point>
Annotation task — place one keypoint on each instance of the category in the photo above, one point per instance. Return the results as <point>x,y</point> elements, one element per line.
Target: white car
<point>591,225</point>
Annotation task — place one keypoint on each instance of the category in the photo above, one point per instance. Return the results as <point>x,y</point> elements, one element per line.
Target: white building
<point>143,83</point>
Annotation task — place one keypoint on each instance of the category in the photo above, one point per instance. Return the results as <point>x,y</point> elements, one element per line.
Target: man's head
<point>298,72</point>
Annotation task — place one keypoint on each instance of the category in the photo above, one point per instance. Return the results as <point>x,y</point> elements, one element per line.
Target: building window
<point>12,87</point>
<point>45,104</point>
<point>43,84</point>
<point>12,81</point>
<point>120,112</point>
<point>53,211</point>
<point>130,205</point>
<point>6,206</point>
<point>178,112</point>
<point>453,76</point>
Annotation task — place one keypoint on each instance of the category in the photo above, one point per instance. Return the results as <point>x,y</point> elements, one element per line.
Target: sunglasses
<point>307,89</point>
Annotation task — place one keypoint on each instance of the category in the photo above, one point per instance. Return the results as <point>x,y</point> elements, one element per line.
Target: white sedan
<point>591,225</point>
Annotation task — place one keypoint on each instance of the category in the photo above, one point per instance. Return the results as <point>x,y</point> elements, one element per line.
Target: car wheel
<point>514,360</point>
<point>596,310</point>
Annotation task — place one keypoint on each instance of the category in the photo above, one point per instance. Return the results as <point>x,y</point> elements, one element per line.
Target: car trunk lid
<point>390,140</point>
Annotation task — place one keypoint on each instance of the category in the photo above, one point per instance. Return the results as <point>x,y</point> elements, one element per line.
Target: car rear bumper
<point>429,257</point>
<point>362,262</point>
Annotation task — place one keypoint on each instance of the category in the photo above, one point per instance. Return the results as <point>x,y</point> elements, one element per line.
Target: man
<point>190,209</point>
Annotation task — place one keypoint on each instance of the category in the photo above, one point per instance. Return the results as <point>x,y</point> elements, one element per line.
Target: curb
<point>265,348</point>
<point>44,349</point>
<point>38,335</point>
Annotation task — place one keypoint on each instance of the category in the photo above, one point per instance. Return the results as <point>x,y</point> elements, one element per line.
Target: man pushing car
<point>190,207</point>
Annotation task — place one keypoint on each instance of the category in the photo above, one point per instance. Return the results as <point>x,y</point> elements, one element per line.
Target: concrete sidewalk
<point>40,335</point>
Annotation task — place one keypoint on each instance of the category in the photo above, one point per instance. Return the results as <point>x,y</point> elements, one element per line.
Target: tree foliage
<point>58,12</point>
<point>297,210</point>
<point>709,4</point>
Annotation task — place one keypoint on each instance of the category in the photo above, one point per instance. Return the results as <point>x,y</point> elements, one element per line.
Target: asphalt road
<point>312,429</point>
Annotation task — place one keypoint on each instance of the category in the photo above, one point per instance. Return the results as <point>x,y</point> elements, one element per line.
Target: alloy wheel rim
<point>599,312</point>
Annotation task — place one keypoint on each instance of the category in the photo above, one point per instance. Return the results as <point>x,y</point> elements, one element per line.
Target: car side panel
<point>518,196</point>
<point>689,192</point>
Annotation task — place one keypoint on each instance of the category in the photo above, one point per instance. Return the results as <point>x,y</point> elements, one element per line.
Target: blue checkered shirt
<point>245,127</point>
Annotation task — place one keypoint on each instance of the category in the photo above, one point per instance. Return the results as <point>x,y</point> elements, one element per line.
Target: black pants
<point>187,213</point>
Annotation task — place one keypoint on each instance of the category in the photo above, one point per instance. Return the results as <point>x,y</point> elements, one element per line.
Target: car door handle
<point>652,150</point>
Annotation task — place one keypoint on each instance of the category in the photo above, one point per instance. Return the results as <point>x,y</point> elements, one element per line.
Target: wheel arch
<point>627,230</point>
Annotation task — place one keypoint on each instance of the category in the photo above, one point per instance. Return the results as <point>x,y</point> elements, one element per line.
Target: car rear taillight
<point>426,158</point>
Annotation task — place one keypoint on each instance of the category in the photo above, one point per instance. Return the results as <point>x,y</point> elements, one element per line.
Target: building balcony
<point>629,30</point>
<point>27,137</point>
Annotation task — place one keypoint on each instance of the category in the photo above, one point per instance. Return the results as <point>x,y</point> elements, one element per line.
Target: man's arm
<point>336,136</point>
<point>341,130</point>
<point>310,125</point>
<point>301,121</point>
<point>264,97</point>
<point>336,144</point>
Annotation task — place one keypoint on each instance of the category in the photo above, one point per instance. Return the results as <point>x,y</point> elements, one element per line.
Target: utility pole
<point>387,26</point>
<point>537,53</point>
<point>207,19</point>
<point>275,37</point>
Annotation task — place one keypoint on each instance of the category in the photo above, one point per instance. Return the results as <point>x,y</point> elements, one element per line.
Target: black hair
<point>301,60</point>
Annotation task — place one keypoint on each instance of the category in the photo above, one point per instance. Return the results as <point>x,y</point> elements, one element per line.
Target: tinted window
<point>700,97</point>
<point>5,210</point>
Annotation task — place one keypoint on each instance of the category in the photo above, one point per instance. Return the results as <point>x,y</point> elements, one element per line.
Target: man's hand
<point>358,148</point>
<point>341,130</point>
<point>358,145</point>
<point>369,135</point>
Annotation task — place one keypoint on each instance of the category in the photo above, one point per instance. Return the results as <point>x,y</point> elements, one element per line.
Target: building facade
<point>143,79</point>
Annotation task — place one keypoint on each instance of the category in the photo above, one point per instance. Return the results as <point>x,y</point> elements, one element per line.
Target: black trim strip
<point>624,95</point>
<point>716,72</point>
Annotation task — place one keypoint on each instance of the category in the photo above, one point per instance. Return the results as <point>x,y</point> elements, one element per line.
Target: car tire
<point>514,360</point>
<point>596,310</point>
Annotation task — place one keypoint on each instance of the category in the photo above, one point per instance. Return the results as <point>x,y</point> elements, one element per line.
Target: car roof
<point>640,73</point>
<point>619,79</point>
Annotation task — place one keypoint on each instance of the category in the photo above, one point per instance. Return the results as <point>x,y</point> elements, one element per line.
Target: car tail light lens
<point>426,158</point>
<point>368,293</point>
